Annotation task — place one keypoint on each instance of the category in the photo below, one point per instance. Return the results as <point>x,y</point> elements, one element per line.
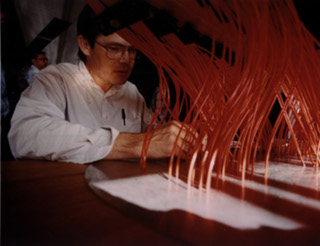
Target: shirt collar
<point>34,68</point>
<point>84,71</point>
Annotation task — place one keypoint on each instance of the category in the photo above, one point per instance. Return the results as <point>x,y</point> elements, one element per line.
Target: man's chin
<point>120,82</point>
<point>121,79</point>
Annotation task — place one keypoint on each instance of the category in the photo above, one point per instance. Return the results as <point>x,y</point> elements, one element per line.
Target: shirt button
<point>107,117</point>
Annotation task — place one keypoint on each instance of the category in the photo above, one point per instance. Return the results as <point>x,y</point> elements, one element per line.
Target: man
<point>89,111</point>
<point>39,61</point>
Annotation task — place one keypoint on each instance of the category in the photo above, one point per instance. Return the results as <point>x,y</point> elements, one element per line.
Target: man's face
<point>41,62</point>
<point>107,70</point>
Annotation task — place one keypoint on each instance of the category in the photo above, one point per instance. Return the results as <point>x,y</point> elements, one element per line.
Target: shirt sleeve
<point>39,129</point>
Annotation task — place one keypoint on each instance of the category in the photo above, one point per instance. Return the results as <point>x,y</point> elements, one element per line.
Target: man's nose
<point>125,57</point>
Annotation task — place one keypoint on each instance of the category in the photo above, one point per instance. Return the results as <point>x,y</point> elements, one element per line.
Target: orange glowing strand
<point>268,57</point>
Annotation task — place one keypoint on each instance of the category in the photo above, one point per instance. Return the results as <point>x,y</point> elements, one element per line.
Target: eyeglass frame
<point>123,50</point>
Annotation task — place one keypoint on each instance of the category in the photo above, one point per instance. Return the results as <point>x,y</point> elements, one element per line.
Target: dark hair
<point>89,26</point>
<point>34,54</point>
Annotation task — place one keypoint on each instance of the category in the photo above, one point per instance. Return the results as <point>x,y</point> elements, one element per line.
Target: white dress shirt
<point>65,116</point>
<point>31,72</point>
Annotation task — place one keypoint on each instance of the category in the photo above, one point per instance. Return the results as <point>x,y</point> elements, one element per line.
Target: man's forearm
<point>126,145</point>
<point>164,140</point>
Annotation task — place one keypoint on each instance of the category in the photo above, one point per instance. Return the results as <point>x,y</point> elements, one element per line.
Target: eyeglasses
<point>115,52</point>
<point>42,59</point>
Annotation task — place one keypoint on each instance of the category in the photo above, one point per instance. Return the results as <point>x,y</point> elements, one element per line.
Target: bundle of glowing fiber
<point>268,57</point>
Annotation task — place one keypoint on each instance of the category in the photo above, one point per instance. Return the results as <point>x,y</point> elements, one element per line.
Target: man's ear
<point>84,45</point>
<point>33,61</point>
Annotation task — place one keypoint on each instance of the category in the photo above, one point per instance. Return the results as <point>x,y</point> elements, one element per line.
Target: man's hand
<point>163,141</point>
